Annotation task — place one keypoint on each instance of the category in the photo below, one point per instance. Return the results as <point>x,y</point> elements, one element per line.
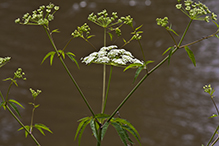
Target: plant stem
<point>22,125</point>
<point>107,91</point>
<point>69,73</point>
<point>147,74</point>
<point>213,136</point>
<point>104,75</point>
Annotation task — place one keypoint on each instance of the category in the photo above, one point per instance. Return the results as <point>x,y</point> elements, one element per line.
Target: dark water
<point>169,108</point>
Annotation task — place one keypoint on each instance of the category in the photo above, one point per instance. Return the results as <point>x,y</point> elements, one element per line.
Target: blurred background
<point>169,108</point>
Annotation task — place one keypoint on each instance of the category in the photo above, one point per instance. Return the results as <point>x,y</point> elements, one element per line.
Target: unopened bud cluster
<point>19,74</point>
<point>38,17</point>
<point>102,19</point>
<point>4,60</point>
<point>196,10</point>
<point>208,89</point>
<point>80,30</point>
<point>111,56</point>
<point>35,93</point>
<point>162,22</point>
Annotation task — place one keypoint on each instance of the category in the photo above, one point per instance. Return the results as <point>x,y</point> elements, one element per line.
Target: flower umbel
<point>112,56</point>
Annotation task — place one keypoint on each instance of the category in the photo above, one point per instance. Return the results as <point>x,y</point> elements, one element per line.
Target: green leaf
<point>52,53</point>
<point>42,126</point>
<point>214,115</point>
<point>90,36</point>
<point>138,71</point>
<point>167,50</point>
<point>124,40</point>
<point>27,127</point>
<point>105,127</point>
<point>71,56</point>
<point>82,130</point>
<point>94,129</point>
<point>51,57</point>
<point>111,36</point>
<point>14,107</point>
<point>62,52</point>
<point>217,36</point>
<point>216,24</point>
<point>133,65</point>
<point>149,61</point>
<point>56,30</point>
<point>190,54</point>
<point>120,131</point>
<point>14,101</point>
<point>125,122</point>
<point>132,131</point>
<point>2,104</point>
<point>173,31</point>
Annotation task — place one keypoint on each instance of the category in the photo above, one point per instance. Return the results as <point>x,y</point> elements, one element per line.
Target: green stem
<point>67,70</point>
<point>22,125</point>
<point>151,71</point>
<point>104,75</point>
<point>213,136</point>
<point>9,90</point>
<point>107,91</point>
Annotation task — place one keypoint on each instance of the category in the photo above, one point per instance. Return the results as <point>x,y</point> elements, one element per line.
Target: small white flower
<point>101,53</point>
<point>102,60</point>
<point>127,59</point>
<point>128,53</point>
<point>119,61</point>
<point>137,61</point>
<point>88,59</point>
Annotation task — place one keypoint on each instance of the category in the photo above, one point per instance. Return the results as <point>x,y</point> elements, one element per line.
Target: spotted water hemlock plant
<point>115,56</point>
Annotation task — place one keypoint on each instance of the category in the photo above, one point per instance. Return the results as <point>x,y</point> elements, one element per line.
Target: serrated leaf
<point>16,102</point>
<point>15,108</point>
<point>104,128</point>
<point>167,50</point>
<point>138,71</point>
<point>111,36</point>
<point>120,131</point>
<point>71,56</point>
<point>94,129</point>
<point>190,54</point>
<point>62,52</point>
<point>132,131</point>
<point>47,55</point>
<point>125,122</point>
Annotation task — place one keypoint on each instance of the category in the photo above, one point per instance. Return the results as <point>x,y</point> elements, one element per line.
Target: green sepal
<point>190,54</point>
<point>42,127</point>
<point>71,56</point>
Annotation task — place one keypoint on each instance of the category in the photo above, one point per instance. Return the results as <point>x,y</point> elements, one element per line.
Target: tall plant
<point>113,55</point>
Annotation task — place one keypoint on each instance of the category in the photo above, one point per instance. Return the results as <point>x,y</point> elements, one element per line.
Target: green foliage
<point>191,55</point>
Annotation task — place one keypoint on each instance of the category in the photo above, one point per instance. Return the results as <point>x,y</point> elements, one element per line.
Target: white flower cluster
<point>111,56</point>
